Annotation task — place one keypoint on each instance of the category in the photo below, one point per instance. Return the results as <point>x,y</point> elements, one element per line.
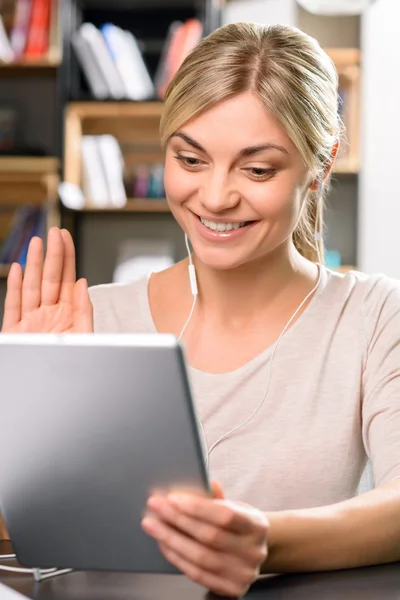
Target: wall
<point>261,11</point>
<point>379,186</point>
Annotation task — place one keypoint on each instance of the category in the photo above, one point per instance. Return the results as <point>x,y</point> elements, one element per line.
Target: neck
<point>238,295</point>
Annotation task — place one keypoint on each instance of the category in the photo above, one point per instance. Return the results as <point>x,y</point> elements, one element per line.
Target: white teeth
<point>221,226</point>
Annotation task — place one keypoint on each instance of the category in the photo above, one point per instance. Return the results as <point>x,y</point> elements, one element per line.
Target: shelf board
<point>40,66</point>
<point>115,109</point>
<point>29,164</point>
<point>148,205</point>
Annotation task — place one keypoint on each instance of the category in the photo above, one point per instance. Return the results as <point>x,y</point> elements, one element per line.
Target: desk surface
<point>375,583</point>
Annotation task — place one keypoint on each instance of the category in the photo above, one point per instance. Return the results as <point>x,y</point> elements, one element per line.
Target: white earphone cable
<point>192,275</point>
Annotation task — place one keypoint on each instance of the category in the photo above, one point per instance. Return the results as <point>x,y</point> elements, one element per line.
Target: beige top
<point>334,396</point>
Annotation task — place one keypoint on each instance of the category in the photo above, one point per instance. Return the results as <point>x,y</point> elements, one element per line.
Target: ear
<point>328,167</point>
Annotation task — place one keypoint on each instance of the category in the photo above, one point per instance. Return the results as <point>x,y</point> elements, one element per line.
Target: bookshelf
<point>27,181</point>
<point>30,162</point>
<point>134,125</point>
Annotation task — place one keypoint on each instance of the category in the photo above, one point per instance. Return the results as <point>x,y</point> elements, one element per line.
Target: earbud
<point>193,286</point>
<point>192,270</point>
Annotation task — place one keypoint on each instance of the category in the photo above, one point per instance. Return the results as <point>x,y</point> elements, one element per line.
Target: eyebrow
<point>244,152</point>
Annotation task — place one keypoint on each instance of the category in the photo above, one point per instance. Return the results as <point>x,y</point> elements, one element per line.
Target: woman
<point>250,130</point>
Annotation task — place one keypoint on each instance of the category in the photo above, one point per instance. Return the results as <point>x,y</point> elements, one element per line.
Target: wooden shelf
<point>29,164</point>
<point>148,205</point>
<point>114,109</point>
<point>27,65</point>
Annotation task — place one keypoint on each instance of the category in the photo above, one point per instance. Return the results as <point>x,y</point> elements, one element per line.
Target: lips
<point>238,229</point>
<point>221,226</point>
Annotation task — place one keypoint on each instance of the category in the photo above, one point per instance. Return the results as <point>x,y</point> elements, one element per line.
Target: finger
<point>193,551</point>
<point>53,267</point>
<point>223,586</point>
<point>69,271</point>
<point>208,535</point>
<point>32,281</point>
<point>220,513</point>
<point>217,491</point>
<point>13,300</point>
<point>82,309</point>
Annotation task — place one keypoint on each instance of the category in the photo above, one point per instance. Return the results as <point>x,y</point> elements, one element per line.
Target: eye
<point>259,173</point>
<point>189,161</point>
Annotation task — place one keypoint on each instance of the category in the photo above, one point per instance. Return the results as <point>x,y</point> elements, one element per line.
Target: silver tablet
<point>90,425</point>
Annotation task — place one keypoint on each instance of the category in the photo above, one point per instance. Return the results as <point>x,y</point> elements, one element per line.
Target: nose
<point>217,194</point>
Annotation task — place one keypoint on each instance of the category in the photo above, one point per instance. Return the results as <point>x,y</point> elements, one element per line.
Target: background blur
<point>81,85</point>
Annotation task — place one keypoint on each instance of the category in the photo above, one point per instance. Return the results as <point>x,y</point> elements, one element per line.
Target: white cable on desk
<point>23,570</point>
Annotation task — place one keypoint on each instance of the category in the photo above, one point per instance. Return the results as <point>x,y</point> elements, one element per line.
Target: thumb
<point>217,491</point>
<point>82,309</point>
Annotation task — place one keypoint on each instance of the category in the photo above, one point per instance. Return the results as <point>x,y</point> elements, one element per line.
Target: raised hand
<point>47,298</point>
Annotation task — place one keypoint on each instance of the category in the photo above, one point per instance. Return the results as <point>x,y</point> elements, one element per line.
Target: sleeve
<point>381,379</point>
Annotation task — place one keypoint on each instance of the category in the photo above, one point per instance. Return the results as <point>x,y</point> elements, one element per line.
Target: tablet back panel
<point>90,425</point>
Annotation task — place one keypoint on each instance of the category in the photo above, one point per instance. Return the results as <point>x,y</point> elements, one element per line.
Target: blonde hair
<point>293,77</point>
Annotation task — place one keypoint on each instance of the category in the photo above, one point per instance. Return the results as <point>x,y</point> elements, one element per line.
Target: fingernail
<point>149,524</point>
<point>155,503</point>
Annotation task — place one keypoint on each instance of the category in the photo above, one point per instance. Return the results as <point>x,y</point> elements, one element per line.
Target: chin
<point>220,260</point>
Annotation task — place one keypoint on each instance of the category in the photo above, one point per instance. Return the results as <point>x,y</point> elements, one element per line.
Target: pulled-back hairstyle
<point>295,80</point>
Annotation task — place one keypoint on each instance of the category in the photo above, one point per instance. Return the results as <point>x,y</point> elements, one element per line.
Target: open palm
<point>47,298</point>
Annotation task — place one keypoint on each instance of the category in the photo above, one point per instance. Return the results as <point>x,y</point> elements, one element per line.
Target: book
<point>37,228</point>
<point>20,29</point>
<point>104,61</point>
<point>55,32</point>
<point>128,59</point>
<point>37,43</point>
<point>93,74</point>
<point>28,221</point>
<point>182,39</point>
<point>6,52</point>
<point>94,182</point>
<point>113,166</point>
<point>16,230</point>
<point>20,247</point>
<point>161,75</point>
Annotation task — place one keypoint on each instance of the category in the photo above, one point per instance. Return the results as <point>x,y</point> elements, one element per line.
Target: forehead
<point>237,123</point>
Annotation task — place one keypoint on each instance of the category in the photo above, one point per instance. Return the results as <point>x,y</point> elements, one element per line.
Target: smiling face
<point>235,183</point>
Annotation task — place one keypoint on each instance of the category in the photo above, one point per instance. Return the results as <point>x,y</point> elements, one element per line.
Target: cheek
<point>179,184</point>
<point>277,201</point>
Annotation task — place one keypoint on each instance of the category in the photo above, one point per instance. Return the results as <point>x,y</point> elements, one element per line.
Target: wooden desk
<point>375,583</point>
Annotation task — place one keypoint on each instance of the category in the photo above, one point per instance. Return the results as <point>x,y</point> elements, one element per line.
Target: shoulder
<point>369,289</point>
<point>375,297</point>
<point>121,308</point>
